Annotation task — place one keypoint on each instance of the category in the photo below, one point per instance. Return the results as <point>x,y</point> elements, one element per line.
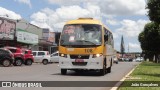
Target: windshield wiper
<point>85,41</point>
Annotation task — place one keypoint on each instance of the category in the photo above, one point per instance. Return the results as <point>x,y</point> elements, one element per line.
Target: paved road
<point>51,72</point>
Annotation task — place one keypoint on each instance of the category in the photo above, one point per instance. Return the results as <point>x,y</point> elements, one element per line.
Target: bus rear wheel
<point>63,71</point>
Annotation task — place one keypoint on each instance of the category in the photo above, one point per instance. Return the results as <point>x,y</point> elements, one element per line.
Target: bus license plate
<point>79,60</point>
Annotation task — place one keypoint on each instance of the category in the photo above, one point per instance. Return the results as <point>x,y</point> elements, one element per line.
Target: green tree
<point>150,37</point>
<point>150,40</point>
<point>154,10</point>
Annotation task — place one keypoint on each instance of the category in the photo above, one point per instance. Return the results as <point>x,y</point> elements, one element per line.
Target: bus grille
<point>79,63</point>
<point>79,56</point>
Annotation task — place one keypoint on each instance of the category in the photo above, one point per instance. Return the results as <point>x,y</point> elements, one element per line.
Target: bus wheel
<point>63,71</point>
<point>103,71</point>
<point>109,69</point>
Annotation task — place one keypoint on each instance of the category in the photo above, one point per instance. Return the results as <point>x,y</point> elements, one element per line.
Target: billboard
<point>48,36</point>
<point>26,37</point>
<point>51,37</point>
<point>7,29</point>
<point>45,34</point>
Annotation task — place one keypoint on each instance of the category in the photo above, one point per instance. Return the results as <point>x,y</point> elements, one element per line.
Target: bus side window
<point>112,42</point>
<point>109,39</point>
<point>106,35</point>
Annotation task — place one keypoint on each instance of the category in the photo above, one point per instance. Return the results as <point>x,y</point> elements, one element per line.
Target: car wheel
<point>6,63</point>
<point>63,71</point>
<point>28,62</point>
<point>45,62</point>
<point>18,62</point>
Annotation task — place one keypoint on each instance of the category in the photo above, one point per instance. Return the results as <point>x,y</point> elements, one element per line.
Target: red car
<point>28,57</point>
<point>18,55</point>
<point>21,56</point>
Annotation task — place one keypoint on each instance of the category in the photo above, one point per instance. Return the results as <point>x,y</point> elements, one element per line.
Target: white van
<point>41,57</point>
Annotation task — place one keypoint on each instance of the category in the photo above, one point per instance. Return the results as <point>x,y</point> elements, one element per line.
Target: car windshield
<point>12,50</point>
<point>3,51</point>
<point>81,34</point>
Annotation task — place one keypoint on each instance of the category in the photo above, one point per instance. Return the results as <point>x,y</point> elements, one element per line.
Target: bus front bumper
<point>91,63</point>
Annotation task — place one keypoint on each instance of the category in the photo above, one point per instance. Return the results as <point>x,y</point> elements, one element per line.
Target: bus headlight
<point>63,55</point>
<point>96,55</point>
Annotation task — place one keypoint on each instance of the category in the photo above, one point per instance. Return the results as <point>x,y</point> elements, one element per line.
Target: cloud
<point>115,35</point>
<point>134,47</point>
<point>112,22</point>
<point>73,9</point>
<point>66,2</point>
<point>9,14</point>
<point>110,7</point>
<point>131,28</point>
<point>55,19</point>
<point>27,2</point>
<point>121,7</point>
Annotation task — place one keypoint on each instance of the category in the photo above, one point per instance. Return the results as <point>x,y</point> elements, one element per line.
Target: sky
<point>123,17</point>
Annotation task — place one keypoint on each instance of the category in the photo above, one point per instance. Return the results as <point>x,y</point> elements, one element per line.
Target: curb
<point>116,86</point>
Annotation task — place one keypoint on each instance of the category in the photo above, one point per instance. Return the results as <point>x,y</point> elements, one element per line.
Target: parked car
<point>130,59</point>
<point>6,57</point>
<point>139,59</point>
<point>126,59</point>
<point>121,59</point>
<point>18,55</point>
<point>28,57</point>
<point>55,57</point>
<point>115,59</point>
<point>41,57</point>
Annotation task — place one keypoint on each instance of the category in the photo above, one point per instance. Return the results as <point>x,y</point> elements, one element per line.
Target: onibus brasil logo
<point>20,84</point>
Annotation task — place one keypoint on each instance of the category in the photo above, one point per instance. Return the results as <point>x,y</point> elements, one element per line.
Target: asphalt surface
<point>51,72</point>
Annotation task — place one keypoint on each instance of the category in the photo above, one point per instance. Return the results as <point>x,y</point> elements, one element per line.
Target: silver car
<point>139,59</point>
<point>55,57</point>
<point>41,57</point>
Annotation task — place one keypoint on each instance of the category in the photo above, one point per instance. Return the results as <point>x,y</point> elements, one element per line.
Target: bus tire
<point>63,71</point>
<point>102,72</point>
<point>109,69</point>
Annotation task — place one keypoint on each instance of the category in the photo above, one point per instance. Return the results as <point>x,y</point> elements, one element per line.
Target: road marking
<point>120,82</point>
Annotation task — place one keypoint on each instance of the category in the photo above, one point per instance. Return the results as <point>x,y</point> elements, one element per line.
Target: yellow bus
<point>86,44</point>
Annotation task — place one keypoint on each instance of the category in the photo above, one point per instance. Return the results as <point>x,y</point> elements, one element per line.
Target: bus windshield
<point>81,34</point>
